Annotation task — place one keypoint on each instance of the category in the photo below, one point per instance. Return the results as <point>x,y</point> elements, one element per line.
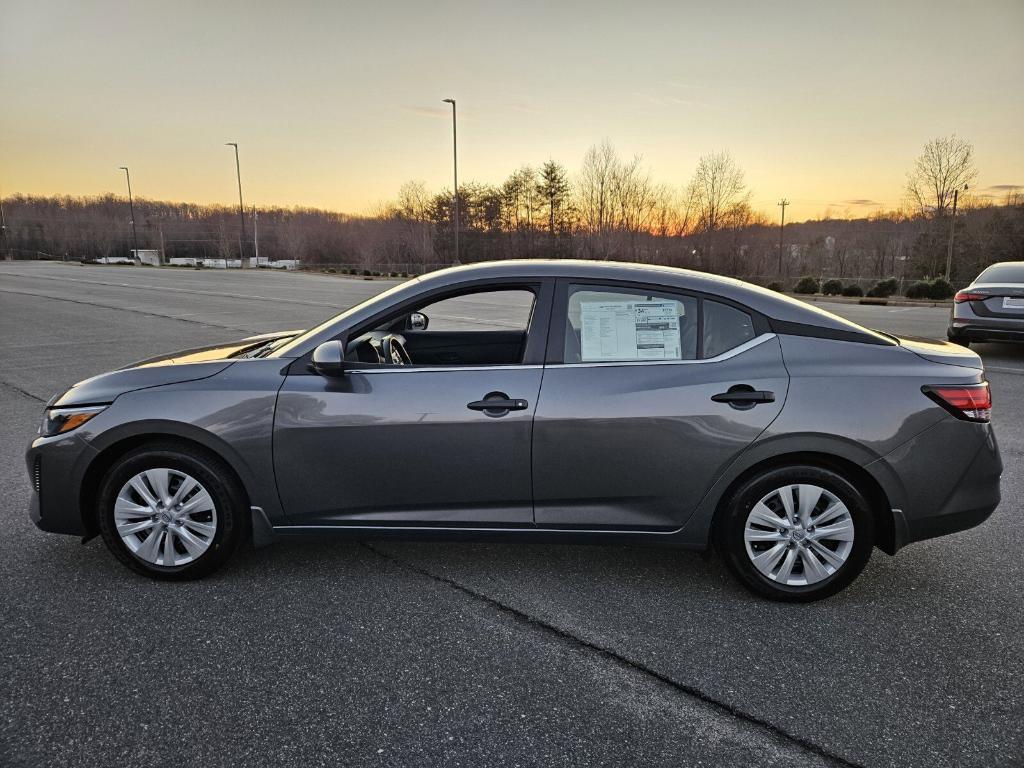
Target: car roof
<point>769,303</point>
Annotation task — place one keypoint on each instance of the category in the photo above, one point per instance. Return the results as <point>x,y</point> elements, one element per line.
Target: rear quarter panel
<point>853,401</point>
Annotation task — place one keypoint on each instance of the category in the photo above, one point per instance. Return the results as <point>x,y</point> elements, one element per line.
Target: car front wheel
<point>797,533</point>
<point>170,512</point>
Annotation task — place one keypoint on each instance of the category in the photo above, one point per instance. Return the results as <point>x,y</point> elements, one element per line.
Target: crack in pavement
<point>128,309</point>
<point>21,391</point>
<point>620,659</point>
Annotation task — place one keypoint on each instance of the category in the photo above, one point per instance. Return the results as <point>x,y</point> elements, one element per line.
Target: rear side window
<point>725,328</point>
<point>618,325</point>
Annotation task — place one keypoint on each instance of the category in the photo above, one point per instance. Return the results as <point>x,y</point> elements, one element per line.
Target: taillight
<point>972,402</point>
<point>963,296</point>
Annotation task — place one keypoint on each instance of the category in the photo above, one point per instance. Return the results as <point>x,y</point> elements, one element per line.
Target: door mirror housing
<point>329,359</point>
<point>418,322</point>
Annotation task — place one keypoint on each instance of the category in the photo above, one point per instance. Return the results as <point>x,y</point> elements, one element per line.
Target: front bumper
<point>56,468</point>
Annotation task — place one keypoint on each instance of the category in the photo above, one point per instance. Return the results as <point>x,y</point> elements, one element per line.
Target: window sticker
<point>630,330</point>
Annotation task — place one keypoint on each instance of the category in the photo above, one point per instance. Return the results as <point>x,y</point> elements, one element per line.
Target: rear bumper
<point>964,323</point>
<point>942,481</point>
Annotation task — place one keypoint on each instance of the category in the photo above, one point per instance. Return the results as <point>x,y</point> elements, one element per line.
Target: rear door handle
<point>743,396</point>
<point>498,404</point>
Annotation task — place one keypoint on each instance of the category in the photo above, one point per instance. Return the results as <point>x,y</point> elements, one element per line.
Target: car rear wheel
<point>170,512</point>
<point>797,533</point>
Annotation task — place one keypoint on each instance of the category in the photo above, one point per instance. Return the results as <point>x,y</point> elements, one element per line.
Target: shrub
<point>806,285</point>
<point>775,285</point>
<point>883,289</point>
<point>832,287</point>
<point>366,273</point>
<point>919,290</point>
<point>853,290</point>
<point>940,289</point>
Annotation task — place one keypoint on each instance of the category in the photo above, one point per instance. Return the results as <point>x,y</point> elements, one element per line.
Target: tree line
<point>611,208</point>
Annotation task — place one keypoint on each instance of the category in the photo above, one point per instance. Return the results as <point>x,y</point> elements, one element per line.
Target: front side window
<point>501,310</point>
<point>620,325</point>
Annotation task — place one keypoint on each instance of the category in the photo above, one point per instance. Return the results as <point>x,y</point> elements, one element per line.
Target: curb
<point>895,302</point>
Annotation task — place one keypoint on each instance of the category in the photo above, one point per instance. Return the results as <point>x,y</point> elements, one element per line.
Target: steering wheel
<point>394,351</point>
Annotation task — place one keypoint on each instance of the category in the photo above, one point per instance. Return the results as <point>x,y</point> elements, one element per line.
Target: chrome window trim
<point>441,368</point>
<point>745,346</point>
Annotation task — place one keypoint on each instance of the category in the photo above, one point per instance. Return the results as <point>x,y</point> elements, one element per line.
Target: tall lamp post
<point>241,208</point>
<point>131,208</point>
<point>455,167</point>
<point>952,231</point>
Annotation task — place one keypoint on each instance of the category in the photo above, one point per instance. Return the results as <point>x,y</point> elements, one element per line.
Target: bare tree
<point>718,193</point>
<point>594,194</point>
<point>946,165</point>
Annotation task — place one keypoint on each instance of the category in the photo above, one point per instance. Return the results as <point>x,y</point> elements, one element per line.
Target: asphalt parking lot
<point>455,654</point>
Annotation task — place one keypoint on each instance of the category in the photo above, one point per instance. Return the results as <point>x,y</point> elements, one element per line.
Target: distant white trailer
<point>148,256</point>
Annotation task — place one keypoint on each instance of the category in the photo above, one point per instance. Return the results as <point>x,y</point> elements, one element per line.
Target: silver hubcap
<point>165,517</point>
<point>798,535</point>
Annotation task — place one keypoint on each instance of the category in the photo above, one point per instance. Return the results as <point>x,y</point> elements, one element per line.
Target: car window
<point>725,328</point>
<point>616,325</point>
<point>506,310</point>
<point>1002,273</point>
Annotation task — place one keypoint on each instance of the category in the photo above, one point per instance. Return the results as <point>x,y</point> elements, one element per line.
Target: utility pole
<point>455,165</point>
<point>3,229</point>
<point>782,228</point>
<point>952,231</point>
<point>163,251</point>
<point>131,208</point>
<point>256,233</point>
<point>241,208</point>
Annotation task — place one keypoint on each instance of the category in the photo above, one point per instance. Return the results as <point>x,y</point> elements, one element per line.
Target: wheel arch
<point>115,446</point>
<point>857,475</point>
<point>855,461</point>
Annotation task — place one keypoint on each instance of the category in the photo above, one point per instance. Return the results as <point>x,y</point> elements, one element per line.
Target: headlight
<point>56,421</point>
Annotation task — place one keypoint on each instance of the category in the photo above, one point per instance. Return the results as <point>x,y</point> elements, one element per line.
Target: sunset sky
<point>336,104</point>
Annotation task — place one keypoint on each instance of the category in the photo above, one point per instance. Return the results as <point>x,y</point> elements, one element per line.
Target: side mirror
<point>329,359</point>
<point>418,321</point>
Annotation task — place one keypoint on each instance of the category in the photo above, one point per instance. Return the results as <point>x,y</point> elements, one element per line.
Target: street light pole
<point>241,208</point>
<point>455,167</point>
<point>131,208</point>
<point>952,231</point>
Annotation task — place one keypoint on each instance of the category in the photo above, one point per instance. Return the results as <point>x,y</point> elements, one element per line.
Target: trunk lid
<point>941,351</point>
<point>1001,300</point>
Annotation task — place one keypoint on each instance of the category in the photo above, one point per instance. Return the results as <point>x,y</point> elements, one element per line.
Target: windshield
<point>299,341</point>
<point>1010,272</point>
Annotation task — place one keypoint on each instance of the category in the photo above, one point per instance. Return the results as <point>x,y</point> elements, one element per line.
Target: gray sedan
<point>991,308</point>
<point>603,402</point>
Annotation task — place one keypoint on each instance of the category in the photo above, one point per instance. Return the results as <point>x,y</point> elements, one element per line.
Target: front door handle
<point>498,404</point>
<point>744,396</point>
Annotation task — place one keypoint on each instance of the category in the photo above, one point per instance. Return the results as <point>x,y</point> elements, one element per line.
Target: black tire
<point>732,522</point>
<point>211,472</point>
<point>963,341</point>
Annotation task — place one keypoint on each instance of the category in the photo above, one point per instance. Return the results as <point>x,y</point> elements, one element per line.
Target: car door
<point>412,445</point>
<point>647,396</point>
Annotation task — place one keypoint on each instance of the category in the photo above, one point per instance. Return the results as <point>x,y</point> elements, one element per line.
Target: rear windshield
<point>1003,273</point>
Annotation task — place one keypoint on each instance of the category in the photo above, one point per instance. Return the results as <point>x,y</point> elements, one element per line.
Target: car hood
<point>174,368</point>
<point>940,351</point>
